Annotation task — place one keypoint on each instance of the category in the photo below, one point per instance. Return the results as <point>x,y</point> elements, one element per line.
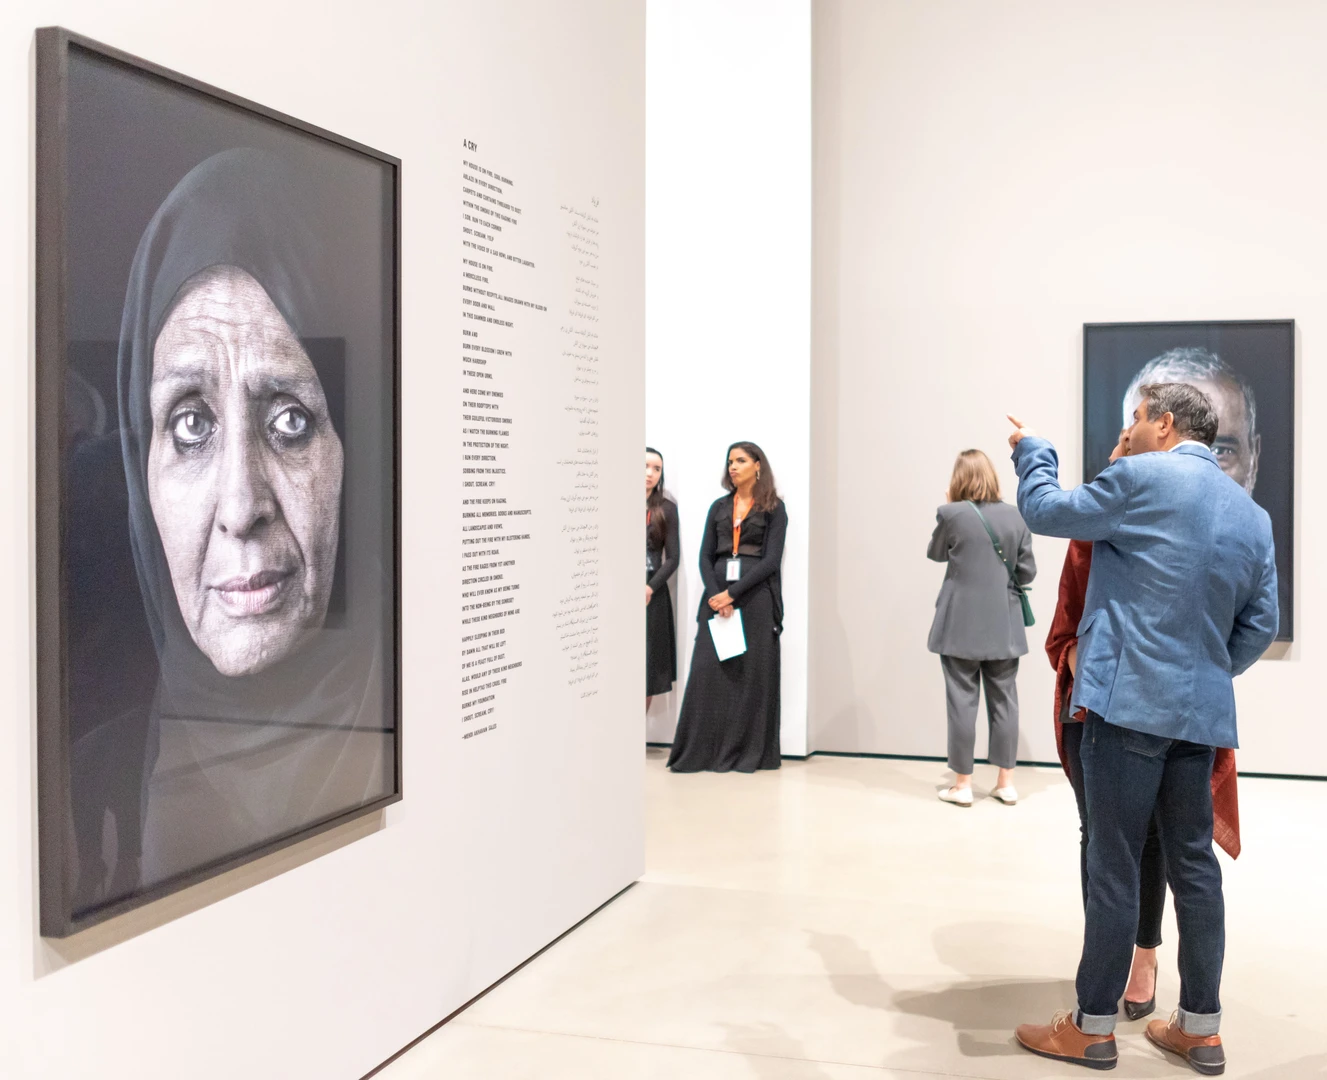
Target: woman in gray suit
<point>978,628</point>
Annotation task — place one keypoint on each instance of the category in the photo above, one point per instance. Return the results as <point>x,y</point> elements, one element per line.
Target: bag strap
<point>995,542</point>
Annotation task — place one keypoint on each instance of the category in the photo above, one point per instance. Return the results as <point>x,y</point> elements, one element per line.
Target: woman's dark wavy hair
<point>766,494</point>
<point>658,506</point>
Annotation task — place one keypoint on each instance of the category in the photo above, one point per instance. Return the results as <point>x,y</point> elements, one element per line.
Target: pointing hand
<point>1022,433</point>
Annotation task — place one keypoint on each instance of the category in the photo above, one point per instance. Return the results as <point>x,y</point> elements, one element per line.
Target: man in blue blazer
<point>1181,599</point>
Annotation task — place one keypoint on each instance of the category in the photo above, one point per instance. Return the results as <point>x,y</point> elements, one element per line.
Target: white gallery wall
<point>988,177</point>
<point>728,227</point>
<point>328,965</point>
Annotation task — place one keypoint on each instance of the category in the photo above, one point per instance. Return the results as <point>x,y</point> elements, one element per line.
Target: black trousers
<point>1152,869</point>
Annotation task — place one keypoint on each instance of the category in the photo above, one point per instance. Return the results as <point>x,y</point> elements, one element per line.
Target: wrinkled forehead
<point>223,324</point>
<point>1228,400</point>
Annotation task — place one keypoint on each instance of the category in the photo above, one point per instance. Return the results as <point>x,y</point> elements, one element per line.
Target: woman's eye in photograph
<point>291,422</point>
<point>190,427</point>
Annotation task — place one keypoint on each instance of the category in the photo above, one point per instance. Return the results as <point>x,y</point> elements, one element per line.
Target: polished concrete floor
<point>835,921</point>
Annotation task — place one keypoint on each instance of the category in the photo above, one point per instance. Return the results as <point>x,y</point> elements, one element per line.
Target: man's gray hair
<point>1185,365</point>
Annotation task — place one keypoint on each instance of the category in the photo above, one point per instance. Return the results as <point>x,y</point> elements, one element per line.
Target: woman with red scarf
<point>1062,649</point>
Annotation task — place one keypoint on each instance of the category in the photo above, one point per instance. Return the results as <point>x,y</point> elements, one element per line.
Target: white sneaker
<point>956,795</point>
<point>1007,794</point>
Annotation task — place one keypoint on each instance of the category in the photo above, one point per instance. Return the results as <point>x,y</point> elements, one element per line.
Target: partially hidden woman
<point>978,627</point>
<point>662,555</point>
<point>267,720</point>
<point>1062,649</point>
<point>730,710</point>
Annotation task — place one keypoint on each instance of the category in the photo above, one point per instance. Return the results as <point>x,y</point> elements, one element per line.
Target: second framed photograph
<point>218,308</point>
<point>1248,369</point>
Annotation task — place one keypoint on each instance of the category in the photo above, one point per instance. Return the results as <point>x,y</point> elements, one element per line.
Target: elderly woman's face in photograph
<point>244,473</point>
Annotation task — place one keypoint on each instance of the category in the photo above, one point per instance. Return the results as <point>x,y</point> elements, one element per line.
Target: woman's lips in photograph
<point>253,594</point>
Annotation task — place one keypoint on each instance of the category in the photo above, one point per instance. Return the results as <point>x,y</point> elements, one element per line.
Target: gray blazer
<point>978,615</point>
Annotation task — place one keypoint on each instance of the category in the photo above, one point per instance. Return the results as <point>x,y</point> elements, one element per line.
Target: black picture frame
<point>1261,354</point>
<point>54,48</point>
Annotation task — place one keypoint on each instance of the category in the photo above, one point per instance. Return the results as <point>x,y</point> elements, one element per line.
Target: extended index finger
<point>1015,421</point>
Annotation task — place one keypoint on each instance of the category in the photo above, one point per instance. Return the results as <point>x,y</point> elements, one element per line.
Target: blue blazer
<point>1182,594</point>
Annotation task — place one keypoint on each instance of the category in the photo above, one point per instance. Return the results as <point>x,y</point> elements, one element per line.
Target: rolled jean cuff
<point>1200,1024</point>
<point>1095,1025</point>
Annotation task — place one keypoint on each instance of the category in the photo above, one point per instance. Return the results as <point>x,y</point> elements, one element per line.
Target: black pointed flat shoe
<point>1136,1010</point>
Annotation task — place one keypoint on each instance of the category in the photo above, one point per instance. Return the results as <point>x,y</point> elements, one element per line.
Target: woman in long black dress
<point>662,555</point>
<point>730,711</point>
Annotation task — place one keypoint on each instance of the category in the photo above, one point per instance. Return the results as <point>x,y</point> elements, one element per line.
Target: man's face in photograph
<point>1236,445</point>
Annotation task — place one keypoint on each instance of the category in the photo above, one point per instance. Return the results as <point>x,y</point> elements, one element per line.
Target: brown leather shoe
<point>1204,1054</point>
<point>1061,1040</point>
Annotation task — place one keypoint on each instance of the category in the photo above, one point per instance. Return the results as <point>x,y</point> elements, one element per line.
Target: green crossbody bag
<point>1028,618</point>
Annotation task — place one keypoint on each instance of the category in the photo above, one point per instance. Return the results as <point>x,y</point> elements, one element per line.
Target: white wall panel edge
<point>728,266</point>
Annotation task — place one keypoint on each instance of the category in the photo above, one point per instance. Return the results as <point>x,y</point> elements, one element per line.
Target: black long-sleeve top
<point>763,534</point>
<point>665,567</point>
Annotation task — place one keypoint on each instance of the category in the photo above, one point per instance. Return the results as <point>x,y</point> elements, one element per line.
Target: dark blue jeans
<point>1152,869</point>
<point>1127,776</point>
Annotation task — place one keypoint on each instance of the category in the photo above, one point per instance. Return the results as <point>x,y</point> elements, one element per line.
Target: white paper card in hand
<point>729,640</point>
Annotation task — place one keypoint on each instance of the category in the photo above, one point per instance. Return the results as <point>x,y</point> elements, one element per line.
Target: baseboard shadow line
<point>984,761</point>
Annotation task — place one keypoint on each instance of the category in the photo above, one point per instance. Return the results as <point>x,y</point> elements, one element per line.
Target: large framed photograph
<point>217,507</point>
<point>1248,369</point>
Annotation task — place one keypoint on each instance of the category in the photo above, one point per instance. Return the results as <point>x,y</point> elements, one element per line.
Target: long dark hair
<point>765,496</point>
<point>657,506</point>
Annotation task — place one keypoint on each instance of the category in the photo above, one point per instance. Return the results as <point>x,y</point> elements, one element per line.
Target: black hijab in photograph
<point>248,759</point>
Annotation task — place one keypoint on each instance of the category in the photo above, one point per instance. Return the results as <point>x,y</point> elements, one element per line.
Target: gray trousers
<point>963,678</point>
